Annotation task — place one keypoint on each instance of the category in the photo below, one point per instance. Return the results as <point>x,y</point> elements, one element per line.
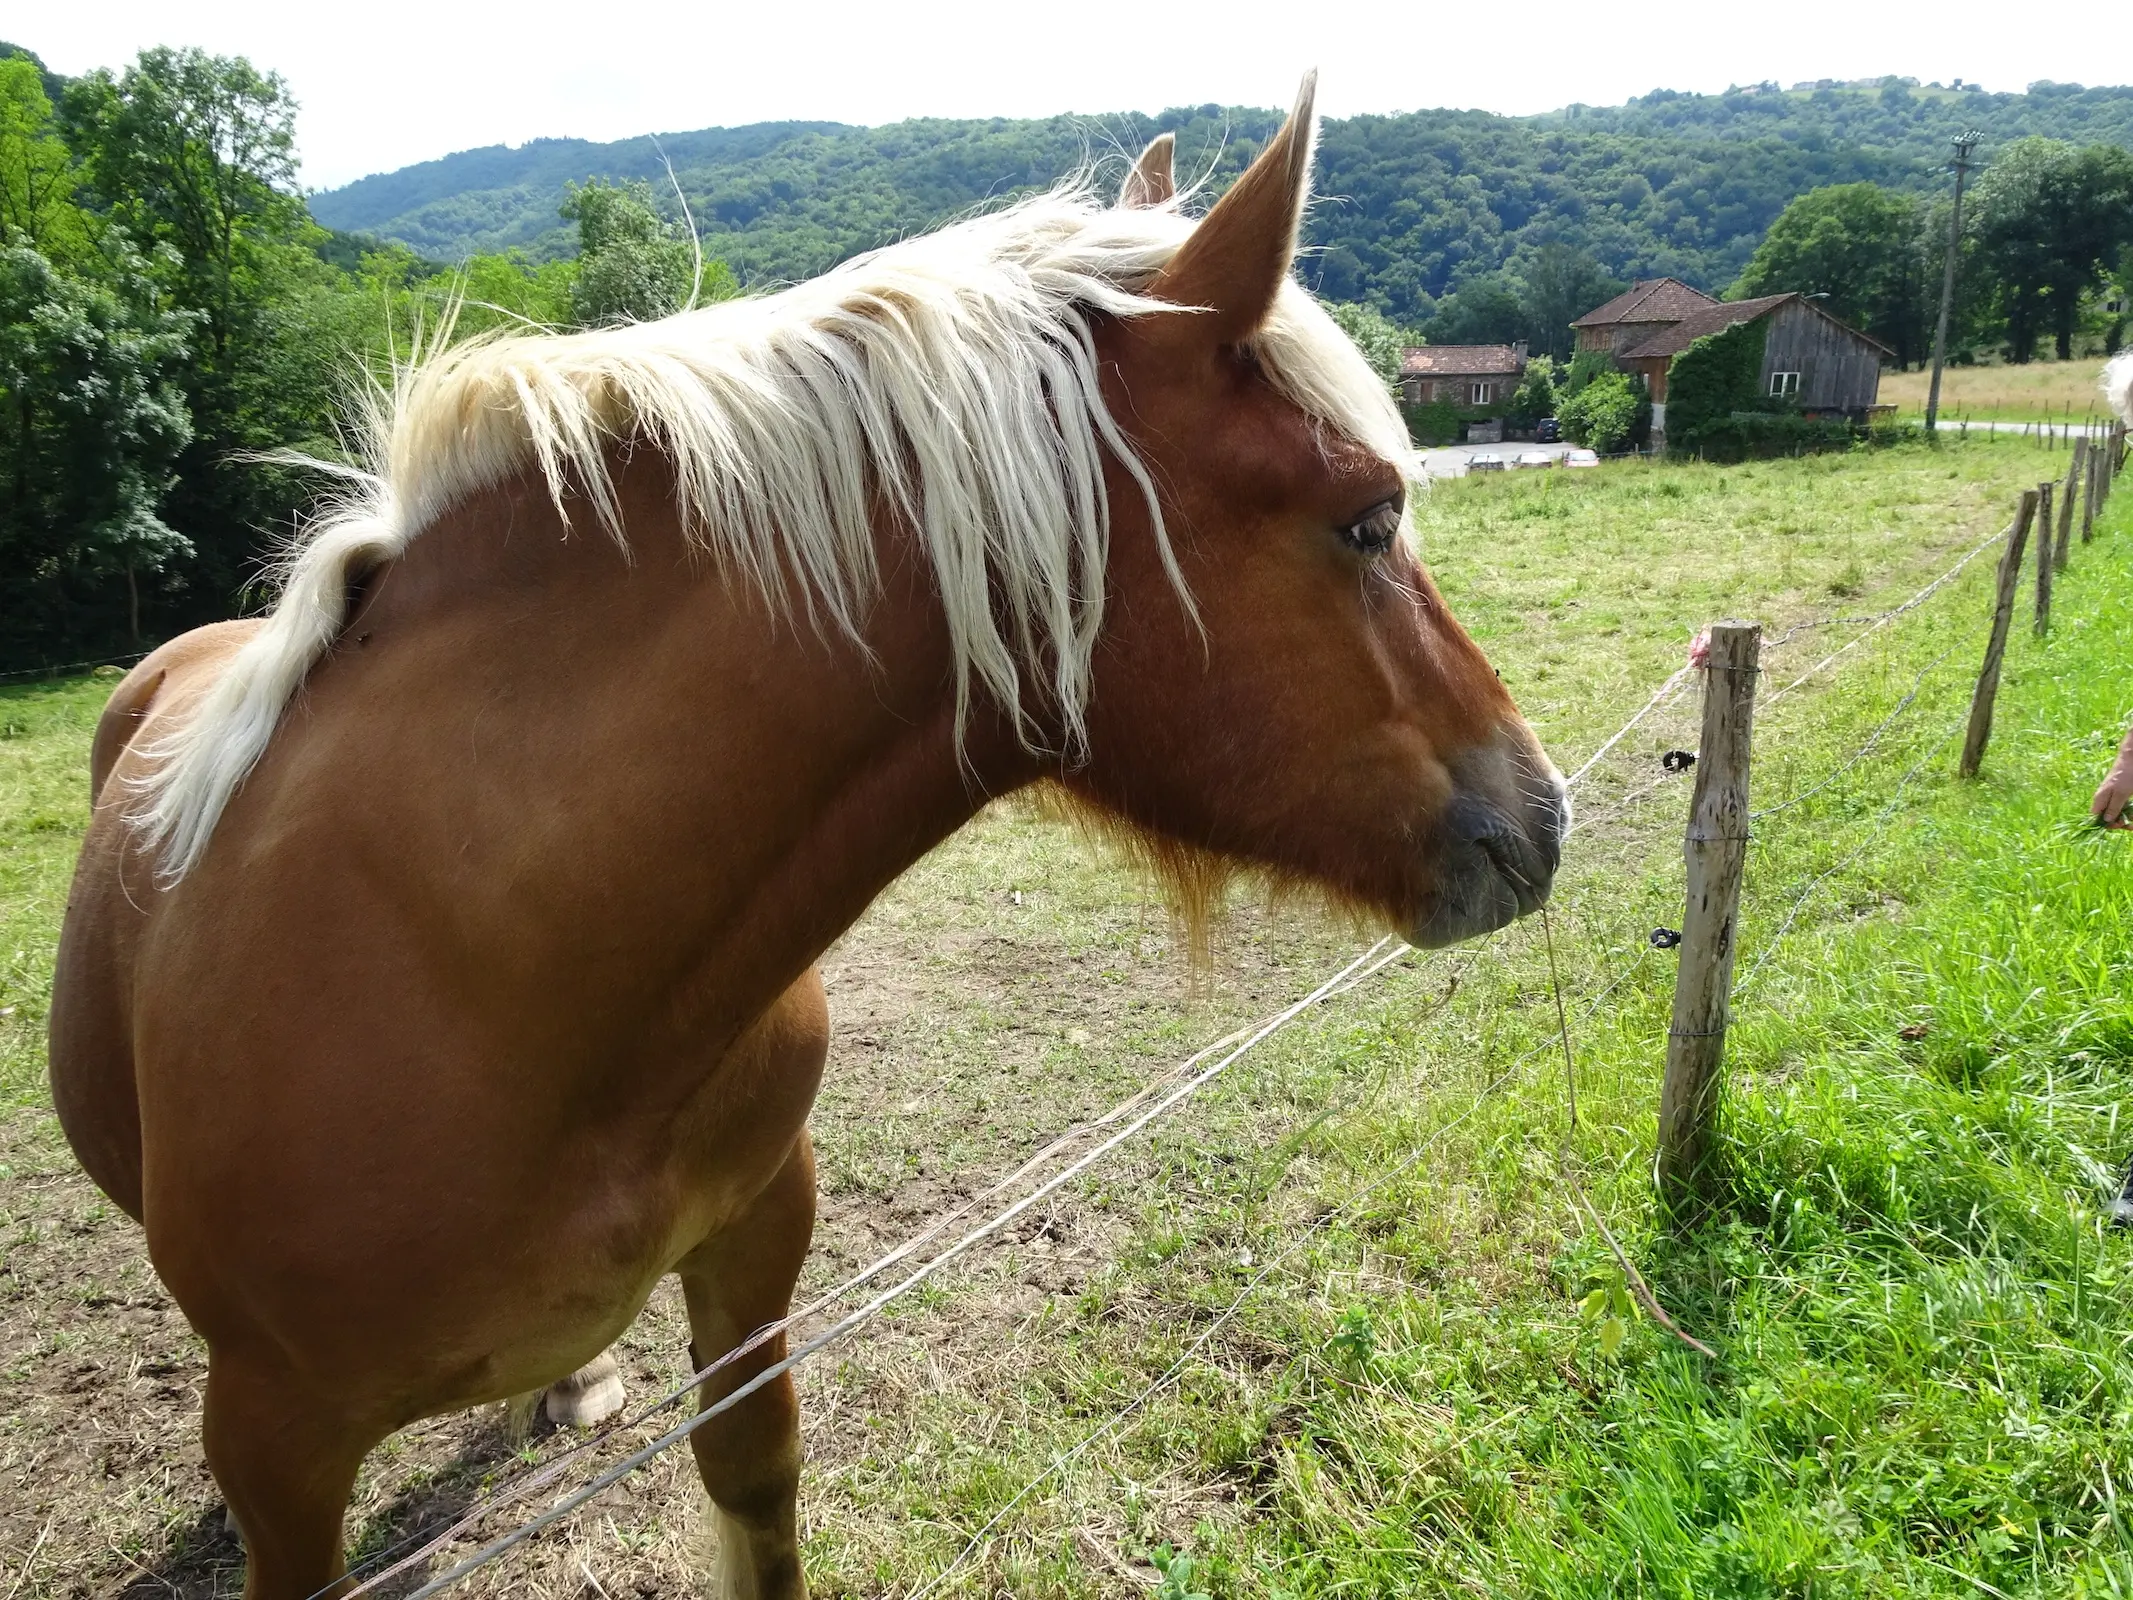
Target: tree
<point>91,425</point>
<point>1382,343</point>
<point>1864,249</point>
<point>197,152</point>
<point>2052,219</point>
<point>1536,396</point>
<point>1561,284</point>
<point>1484,310</point>
<point>192,156</point>
<point>36,170</point>
<point>633,264</point>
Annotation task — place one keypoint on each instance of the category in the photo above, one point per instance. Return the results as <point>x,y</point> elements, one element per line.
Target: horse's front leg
<point>749,1458</point>
<point>286,1461</point>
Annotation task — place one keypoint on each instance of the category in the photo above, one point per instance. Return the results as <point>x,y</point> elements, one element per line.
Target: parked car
<point>1487,461</point>
<point>1534,458</point>
<point>1547,431</point>
<point>1581,458</point>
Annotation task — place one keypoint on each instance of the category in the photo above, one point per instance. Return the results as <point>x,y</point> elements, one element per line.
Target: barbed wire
<point>1351,976</point>
<point>1372,960</point>
<point>1879,620</point>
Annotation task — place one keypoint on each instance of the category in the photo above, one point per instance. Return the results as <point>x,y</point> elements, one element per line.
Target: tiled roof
<point>1459,361</point>
<point>1715,318</point>
<point>1648,300</point>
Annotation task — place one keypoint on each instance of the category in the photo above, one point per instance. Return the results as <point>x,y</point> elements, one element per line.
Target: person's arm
<point>2109,806</point>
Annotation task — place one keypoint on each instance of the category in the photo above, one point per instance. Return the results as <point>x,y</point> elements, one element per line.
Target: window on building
<point>1784,383</point>
<point>1483,393</point>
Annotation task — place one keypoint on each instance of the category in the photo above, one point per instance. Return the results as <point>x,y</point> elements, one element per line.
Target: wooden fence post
<point>2097,458</point>
<point>1988,680</point>
<point>1717,848</point>
<point>2044,558</point>
<point>2066,501</point>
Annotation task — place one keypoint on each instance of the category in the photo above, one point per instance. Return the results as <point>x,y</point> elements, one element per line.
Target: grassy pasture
<point>1922,1385</point>
<point>2053,390</point>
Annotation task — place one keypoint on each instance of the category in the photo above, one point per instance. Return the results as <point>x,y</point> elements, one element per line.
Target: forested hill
<point>1411,205</point>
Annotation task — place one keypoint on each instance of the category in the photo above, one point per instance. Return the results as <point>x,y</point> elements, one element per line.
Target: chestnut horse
<point>439,970</point>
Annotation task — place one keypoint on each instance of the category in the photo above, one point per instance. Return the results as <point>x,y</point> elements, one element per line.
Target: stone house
<point>1473,377</point>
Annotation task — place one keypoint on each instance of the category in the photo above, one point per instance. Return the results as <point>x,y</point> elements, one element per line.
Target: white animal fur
<point>2118,385</point>
<point>954,373</point>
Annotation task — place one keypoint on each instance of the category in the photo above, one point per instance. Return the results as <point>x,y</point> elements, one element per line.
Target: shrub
<point>1741,435</point>
<point>1602,414</point>
<point>1585,366</point>
<point>1436,423</point>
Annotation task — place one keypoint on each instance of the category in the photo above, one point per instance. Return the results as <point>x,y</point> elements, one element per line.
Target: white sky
<point>390,82</point>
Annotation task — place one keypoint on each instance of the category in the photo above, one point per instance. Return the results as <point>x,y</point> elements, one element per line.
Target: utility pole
<point>1964,144</point>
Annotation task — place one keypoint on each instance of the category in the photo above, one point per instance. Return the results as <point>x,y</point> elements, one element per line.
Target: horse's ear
<point>1233,263</point>
<point>1151,182</point>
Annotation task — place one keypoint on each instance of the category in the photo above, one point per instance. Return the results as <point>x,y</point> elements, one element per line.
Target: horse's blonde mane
<point>953,375</point>
<point>2118,385</point>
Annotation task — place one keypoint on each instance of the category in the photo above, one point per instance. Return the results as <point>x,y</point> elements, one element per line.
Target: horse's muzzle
<point>1498,848</point>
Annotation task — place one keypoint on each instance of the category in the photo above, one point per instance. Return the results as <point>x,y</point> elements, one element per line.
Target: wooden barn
<point>1823,366</point>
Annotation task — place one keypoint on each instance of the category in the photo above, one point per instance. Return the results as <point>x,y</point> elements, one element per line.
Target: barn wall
<point>1839,371</point>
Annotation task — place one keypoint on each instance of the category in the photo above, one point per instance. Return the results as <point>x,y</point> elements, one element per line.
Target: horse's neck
<point>722,790</point>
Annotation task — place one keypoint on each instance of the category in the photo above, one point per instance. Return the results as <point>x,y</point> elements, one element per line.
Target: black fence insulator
<point>1665,938</point>
<point>1678,760</point>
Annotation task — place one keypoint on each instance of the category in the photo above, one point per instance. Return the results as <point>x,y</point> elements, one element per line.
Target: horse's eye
<point>1372,533</point>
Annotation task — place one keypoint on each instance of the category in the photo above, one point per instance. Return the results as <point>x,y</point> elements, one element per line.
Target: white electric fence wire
<point>903,1286</point>
<point>1883,620</point>
<point>1375,959</point>
<point>1651,705</point>
<point>513,1493</point>
<point>1222,1318</point>
<point>1873,832</point>
<point>1660,696</point>
<point>1670,689</point>
<point>1865,749</point>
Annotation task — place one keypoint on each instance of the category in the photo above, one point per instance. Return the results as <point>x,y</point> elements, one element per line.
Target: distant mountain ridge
<point>1411,206</point>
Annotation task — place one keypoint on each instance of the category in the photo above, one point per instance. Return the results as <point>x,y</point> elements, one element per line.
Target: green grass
<point>44,805</point>
<point>1922,1385</point>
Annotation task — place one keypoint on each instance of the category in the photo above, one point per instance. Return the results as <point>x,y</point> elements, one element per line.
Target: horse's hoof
<point>590,1395</point>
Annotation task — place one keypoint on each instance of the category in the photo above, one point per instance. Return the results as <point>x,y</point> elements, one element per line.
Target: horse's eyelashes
<point>1373,533</point>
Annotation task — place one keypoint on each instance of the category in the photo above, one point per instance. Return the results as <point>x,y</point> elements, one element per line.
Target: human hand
<point>2109,806</point>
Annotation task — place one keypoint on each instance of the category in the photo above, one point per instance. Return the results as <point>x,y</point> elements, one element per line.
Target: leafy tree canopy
<point>1867,250</point>
<point>2053,218</point>
<point>1673,184</point>
<point>635,265</point>
<point>1376,335</point>
<point>92,421</point>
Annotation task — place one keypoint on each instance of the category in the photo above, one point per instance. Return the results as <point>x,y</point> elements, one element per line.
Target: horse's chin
<point>1492,867</point>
